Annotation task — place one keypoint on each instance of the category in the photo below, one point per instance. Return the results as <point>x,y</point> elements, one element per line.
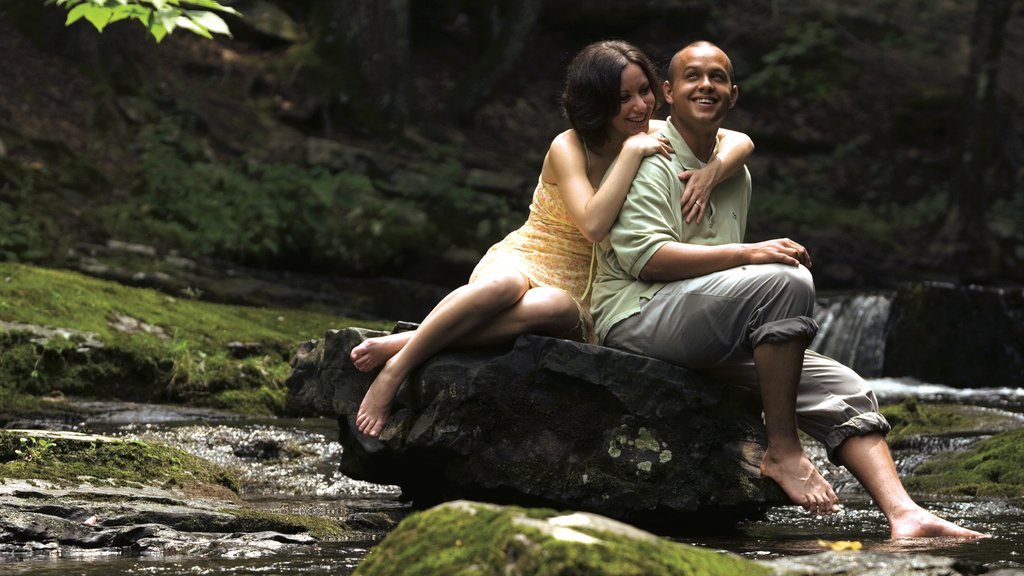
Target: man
<point>696,295</point>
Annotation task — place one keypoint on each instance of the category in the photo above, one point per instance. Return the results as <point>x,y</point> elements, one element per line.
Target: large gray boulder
<point>551,422</point>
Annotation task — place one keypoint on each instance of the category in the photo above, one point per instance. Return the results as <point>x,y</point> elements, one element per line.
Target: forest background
<point>400,138</point>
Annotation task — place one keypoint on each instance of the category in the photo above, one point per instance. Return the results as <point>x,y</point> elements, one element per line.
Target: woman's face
<point>636,106</point>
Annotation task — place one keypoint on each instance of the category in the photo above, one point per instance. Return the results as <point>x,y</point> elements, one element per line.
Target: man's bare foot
<point>919,523</point>
<point>374,352</point>
<point>801,481</point>
<point>375,409</point>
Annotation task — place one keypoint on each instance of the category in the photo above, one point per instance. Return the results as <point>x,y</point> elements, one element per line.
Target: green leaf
<point>209,21</point>
<point>160,17</point>
<point>212,5</point>
<point>97,16</point>
<point>186,23</point>
<point>75,14</point>
<point>157,29</point>
<point>130,11</point>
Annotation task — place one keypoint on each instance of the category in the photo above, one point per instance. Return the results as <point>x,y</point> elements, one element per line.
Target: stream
<point>291,466</point>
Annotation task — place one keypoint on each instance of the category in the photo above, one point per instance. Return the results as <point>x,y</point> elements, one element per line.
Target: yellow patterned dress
<point>549,250</point>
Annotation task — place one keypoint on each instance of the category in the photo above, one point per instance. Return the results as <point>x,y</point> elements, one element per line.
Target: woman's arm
<point>733,150</point>
<point>594,212</point>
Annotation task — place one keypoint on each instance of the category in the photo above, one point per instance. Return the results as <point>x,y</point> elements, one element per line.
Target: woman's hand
<point>646,144</point>
<point>699,184</point>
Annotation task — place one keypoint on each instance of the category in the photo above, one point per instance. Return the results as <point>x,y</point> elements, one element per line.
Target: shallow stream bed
<point>291,466</point>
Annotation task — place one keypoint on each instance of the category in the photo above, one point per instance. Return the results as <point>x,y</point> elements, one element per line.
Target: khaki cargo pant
<point>712,323</point>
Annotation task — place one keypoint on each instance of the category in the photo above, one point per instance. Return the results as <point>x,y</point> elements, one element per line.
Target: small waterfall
<point>852,330</point>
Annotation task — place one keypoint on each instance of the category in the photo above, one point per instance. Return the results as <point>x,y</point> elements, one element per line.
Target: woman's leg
<point>490,310</point>
<point>544,310</point>
<point>869,460</point>
<point>373,352</point>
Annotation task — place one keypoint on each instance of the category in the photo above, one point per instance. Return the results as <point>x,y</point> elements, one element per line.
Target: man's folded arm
<point>678,261</point>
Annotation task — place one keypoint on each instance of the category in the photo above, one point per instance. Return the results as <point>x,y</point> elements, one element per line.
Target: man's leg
<point>869,460</point>
<point>778,372</point>
<point>836,407</point>
<point>717,320</point>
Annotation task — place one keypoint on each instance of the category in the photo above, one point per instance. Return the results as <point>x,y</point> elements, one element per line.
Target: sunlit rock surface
<point>555,423</point>
<point>470,537</point>
<point>57,496</point>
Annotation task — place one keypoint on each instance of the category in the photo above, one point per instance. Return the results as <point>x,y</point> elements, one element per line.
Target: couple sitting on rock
<point>666,204</point>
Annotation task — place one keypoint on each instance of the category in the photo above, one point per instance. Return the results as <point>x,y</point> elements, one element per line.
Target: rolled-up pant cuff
<point>860,425</point>
<point>785,330</point>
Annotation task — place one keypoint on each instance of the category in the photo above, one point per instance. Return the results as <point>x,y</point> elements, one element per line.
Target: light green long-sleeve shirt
<point>652,217</point>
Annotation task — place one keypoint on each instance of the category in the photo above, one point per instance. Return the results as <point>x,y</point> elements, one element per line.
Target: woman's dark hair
<point>591,97</point>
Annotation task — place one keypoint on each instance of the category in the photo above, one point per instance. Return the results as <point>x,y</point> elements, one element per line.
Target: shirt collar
<point>684,156</point>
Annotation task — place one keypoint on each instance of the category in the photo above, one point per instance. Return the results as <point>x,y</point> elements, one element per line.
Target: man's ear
<point>735,95</point>
<point>666,88</point>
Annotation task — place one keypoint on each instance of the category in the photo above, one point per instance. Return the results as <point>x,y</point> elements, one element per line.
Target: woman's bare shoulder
<point>566,145</point>
<point>655,125</point>
<point>566,150</point>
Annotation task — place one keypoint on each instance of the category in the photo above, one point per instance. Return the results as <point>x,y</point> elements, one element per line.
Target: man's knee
<point>792,285</point>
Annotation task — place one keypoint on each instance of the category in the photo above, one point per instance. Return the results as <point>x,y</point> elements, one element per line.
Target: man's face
<point>701,91</point>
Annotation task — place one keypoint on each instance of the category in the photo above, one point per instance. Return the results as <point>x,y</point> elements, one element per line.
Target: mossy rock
<point>70,458</point>
<point>472,538</point>
<point>911,419</point>
<point>62,332</point>
<point>992,468</point>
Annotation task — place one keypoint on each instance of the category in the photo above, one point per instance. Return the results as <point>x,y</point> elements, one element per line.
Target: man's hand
<point>780,250</point>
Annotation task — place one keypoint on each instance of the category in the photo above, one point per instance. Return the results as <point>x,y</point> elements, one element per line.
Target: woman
<point>537,280</point>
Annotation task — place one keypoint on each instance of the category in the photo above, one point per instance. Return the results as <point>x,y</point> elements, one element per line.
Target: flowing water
<point>291,466</point>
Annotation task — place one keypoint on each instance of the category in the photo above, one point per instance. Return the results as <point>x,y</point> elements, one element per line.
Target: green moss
<point>911,418</point>
<point>252,520</point>
<point>487,540</point>
<point>66,460</point>
<point>420,548</point>
<point>265,400</point>
<point>183,358</point>
<point>992,468</point>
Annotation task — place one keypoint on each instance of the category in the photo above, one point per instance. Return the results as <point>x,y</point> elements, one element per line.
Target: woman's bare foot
<point>917,522</point>
<point>373,352</point>
<point>375,409</point>
<point>801,481</point>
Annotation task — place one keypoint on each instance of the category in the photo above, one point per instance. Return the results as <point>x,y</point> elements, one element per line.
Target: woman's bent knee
<point>501,289</point>
<point>550,310</point>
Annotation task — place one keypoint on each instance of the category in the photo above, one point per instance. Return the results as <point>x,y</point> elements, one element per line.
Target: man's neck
<point>701,140</point>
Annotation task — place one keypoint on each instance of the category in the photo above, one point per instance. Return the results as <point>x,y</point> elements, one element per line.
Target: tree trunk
<point>974,184</point>
<point>366,45</point>
<point>514,20</point>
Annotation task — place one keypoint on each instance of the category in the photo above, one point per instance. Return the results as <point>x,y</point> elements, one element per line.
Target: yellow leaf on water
<point>839,545</point>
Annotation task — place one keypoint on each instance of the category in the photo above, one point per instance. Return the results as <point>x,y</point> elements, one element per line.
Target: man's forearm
<point>679,261</point>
